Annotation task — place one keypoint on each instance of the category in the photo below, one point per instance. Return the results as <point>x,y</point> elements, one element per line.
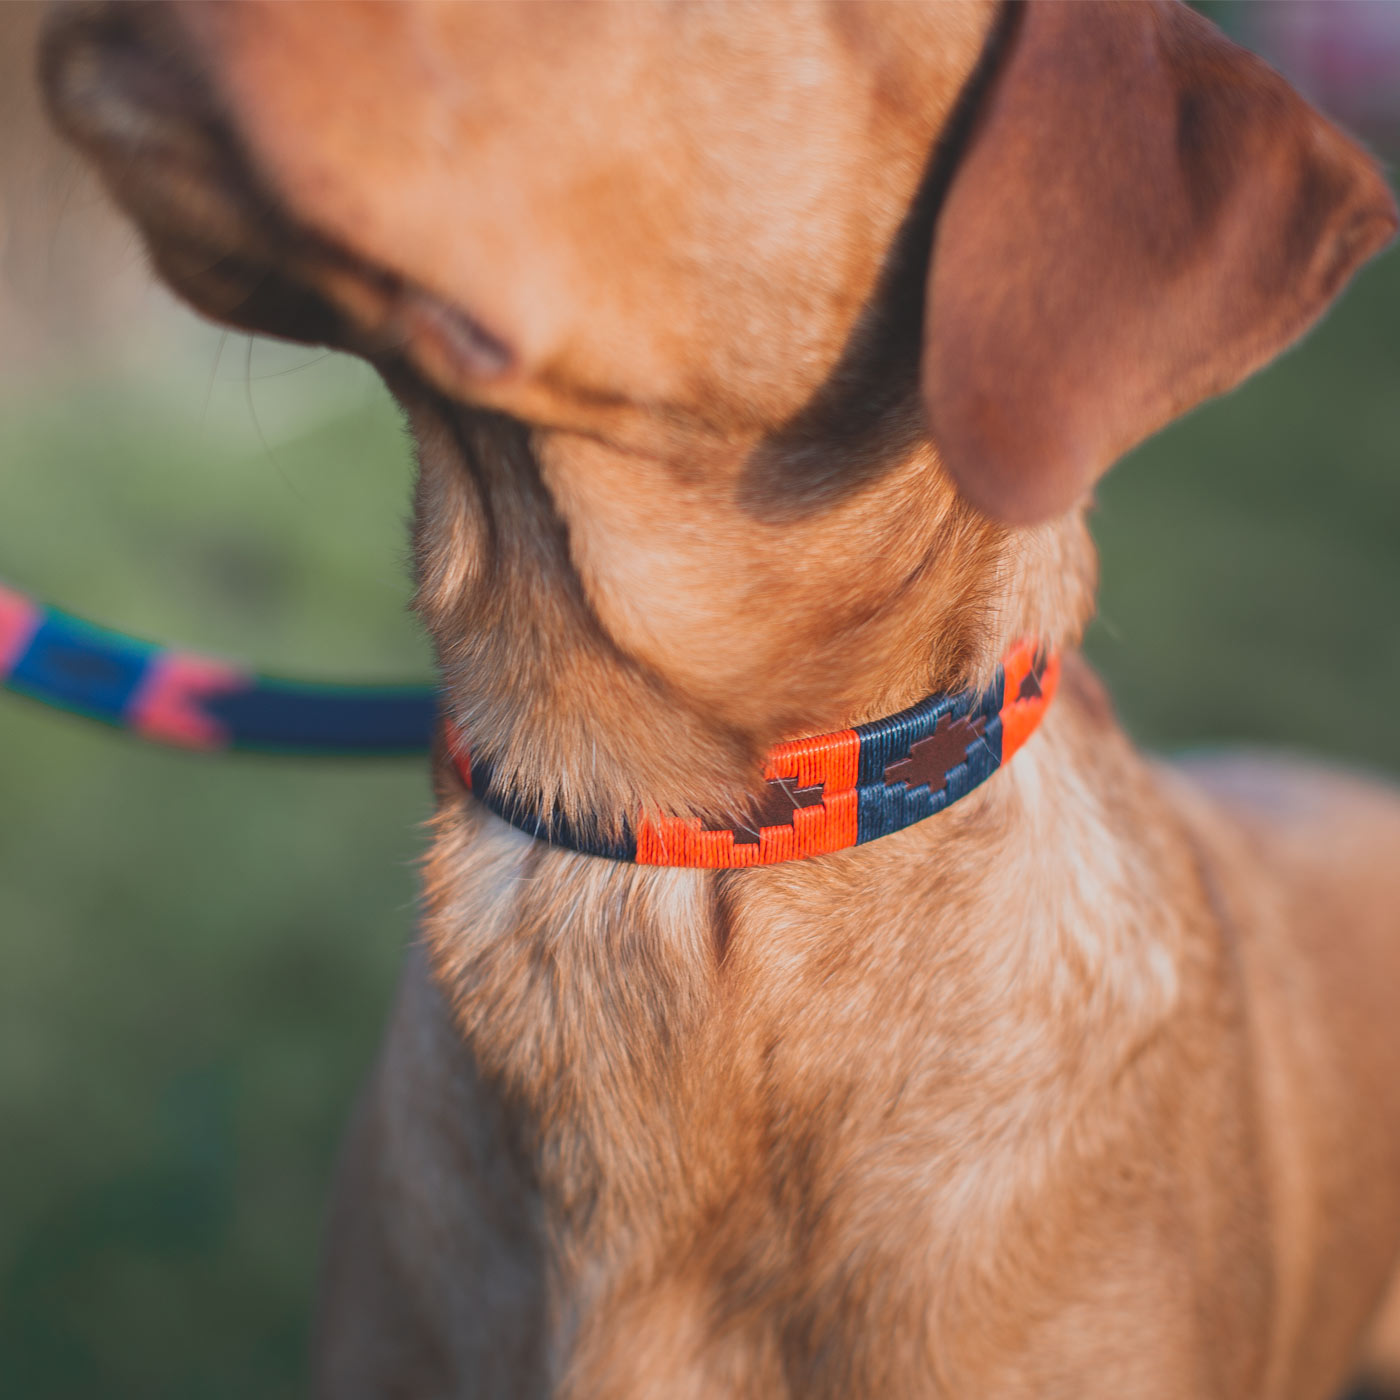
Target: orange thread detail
<point>458,750</point>
<point>815,831</point>
<point>833,759</point>
<point>830,759</point>
<point>1019,718</point>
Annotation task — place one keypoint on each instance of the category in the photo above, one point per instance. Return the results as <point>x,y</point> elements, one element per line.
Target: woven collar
<point>829,791</point>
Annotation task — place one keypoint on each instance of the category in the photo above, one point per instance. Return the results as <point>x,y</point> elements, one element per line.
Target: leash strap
<point>820,794</point>
<point>830,791</point>
<point>176,697</point>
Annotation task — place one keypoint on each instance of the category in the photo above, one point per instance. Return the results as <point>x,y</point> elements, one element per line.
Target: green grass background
<point>196,954</point>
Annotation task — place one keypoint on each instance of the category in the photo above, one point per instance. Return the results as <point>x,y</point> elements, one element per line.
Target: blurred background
<point>196,953</point>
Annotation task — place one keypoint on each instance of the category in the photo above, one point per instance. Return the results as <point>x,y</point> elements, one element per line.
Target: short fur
<point>1090,1085</point>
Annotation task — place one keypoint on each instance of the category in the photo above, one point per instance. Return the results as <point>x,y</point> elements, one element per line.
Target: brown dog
<point>1089,1085</point>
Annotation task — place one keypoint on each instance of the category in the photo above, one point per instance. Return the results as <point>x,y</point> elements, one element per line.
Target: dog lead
<point>821,794</point>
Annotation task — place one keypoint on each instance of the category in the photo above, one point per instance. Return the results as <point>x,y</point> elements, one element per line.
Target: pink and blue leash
<point>177,697</point>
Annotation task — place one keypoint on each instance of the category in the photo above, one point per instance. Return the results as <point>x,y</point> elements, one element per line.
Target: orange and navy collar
<point>829,791</point>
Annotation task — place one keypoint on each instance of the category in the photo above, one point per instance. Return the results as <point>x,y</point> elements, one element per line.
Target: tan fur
<point>1087,1086</point>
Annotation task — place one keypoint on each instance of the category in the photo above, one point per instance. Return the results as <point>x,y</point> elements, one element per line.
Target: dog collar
<point>829,791</point>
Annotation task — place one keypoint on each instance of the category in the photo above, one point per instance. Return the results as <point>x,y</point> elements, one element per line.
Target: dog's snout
<point>136,83</point>
<point>118,82</point>
<point>123,83</point>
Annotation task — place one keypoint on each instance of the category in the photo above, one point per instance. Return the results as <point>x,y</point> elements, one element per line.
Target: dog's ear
<point>1142,215</point>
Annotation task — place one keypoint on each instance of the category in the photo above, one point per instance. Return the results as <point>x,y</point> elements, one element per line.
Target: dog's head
<point>713,280</point>
<point>645,221</point>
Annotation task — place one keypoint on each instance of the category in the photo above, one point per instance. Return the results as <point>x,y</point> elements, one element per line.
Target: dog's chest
<point>762,1156</point>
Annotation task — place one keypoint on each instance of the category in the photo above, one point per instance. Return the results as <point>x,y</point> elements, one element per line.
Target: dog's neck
<point>620,634</point>
<point>695,1038</point>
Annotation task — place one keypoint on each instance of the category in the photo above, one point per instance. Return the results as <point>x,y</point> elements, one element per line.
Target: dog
<point>761,362</point>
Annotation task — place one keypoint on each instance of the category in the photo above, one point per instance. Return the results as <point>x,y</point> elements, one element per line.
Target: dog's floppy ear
<point>1142,215</point>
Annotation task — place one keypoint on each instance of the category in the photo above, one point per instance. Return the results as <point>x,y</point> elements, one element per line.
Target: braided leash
<point>177,697</point>
<point>820,794</point>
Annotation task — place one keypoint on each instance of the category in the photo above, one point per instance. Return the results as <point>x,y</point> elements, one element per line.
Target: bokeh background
<point>196,954</point>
